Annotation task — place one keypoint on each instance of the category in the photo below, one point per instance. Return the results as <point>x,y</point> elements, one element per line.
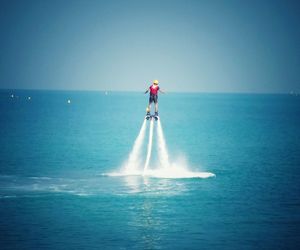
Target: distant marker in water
<point>12,96</point>
<point>29,98</point>
<point>69,101</point>
<point>106,93</point>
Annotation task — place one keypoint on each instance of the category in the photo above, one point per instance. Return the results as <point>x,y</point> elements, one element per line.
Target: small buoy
<point>69,101</point>
<point>106,93</point>
<point>12,96</point>
<point>29,97</point>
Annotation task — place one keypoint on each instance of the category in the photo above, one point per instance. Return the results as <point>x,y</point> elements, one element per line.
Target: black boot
<point>148,115</point>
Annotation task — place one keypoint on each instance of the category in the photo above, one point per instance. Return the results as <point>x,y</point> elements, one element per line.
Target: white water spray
<point>149,149</point>
<point>134,156</point>
<point>167,169</point>
<point>162,148</point>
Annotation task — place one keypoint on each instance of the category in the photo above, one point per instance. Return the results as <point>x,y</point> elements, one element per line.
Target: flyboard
<point>150,117</point>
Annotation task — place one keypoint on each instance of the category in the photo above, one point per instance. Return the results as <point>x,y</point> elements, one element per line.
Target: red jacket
<point>153,89</point>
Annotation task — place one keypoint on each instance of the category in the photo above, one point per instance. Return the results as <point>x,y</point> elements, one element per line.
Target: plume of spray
<point>162,148</point>
<point>176,169</point>
<point>149,148</point>
<point>134,160</point>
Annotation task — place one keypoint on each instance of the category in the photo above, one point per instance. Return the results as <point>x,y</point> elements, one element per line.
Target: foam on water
<point>32,187</point>
<point>176,173</point>
<point>178,169</point>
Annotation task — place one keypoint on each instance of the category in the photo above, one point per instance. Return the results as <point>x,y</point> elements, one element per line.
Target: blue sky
<point>191,46</point>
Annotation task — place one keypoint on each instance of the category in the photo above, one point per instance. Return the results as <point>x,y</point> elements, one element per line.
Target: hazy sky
<point>205,46</point>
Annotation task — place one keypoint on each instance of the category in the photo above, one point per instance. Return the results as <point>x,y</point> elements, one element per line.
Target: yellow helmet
<point>155,82</point>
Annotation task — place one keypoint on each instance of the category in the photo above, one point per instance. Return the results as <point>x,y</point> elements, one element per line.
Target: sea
<point>60,150</point>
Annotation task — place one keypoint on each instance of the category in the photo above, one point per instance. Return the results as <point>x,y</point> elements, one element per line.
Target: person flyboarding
<point>153,97</point>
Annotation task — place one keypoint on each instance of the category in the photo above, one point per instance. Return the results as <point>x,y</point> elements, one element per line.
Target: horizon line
<point>136,91</point>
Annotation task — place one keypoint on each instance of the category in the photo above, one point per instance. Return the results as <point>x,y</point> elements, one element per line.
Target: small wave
<point>7,196</point>
<point>40,178</point>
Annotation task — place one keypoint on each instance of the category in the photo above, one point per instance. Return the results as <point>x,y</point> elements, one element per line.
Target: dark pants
<point>153,98</point>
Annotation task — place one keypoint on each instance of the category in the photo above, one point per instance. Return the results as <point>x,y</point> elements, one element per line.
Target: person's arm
<point>163,92</point>
<point>147,90</point>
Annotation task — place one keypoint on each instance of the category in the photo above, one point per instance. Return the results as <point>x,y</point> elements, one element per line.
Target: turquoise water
<point>53,194</point>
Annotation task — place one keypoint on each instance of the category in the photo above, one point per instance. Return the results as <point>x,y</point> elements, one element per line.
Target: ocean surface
<point>55,192</point>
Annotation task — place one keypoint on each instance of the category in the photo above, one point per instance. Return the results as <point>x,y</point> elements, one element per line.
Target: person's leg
<point>156,105</point>
<point>149,105</point>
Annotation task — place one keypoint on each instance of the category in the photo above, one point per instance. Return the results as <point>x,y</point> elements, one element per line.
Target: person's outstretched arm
<point>163,92</point>
<point>146,91</point>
